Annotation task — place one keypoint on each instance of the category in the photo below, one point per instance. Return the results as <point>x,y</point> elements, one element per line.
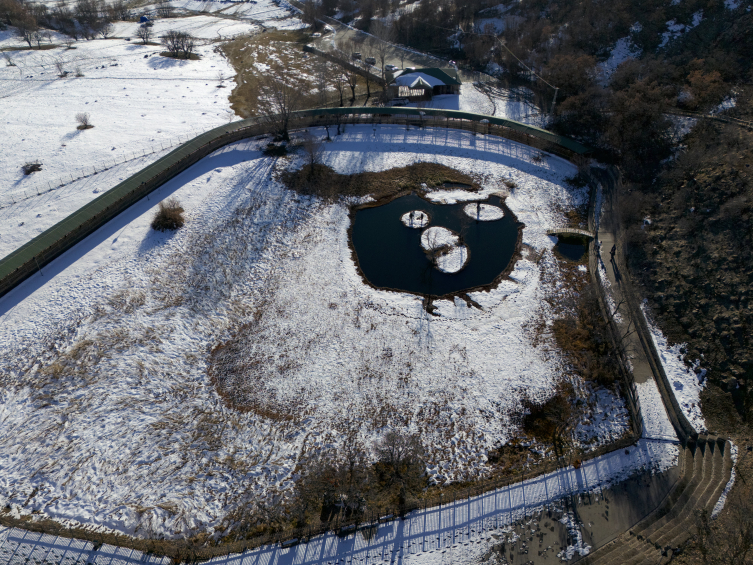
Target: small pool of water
<point>571,251</point>
<point>390,254</point>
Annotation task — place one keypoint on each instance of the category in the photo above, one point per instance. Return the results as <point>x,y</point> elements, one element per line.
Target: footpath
<point>705,463</point>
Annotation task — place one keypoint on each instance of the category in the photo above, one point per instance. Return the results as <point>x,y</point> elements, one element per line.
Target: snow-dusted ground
<point>30,216</point>
<point>458,532</point>
<point>200,26</point>
<point>136,99</point>
<point>675,30</point>
<point>436,237</point>
<point>484,212</point>
<point>623,50</point>
<point>453,259</point>
<point>473,100</point>
<point>719,506</point>
<point>687,381</point>
<point>265,12</point>
<point>108,418</point>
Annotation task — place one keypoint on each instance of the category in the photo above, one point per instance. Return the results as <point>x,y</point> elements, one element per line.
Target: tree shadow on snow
<point>160,62</point>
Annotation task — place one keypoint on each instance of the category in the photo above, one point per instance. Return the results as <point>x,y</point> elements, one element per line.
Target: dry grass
<point>169,216</point>
<point>583,338</point>
<point>191,57</point>
<point>328,184</point>
<point>250,55</point>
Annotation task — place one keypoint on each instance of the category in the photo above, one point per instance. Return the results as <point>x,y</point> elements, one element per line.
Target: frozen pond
<point>391,255</point>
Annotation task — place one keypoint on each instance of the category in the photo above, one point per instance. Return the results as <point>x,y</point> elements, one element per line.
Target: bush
<point>32,167</point>
<point>169,216</point>
<point>83,117</point>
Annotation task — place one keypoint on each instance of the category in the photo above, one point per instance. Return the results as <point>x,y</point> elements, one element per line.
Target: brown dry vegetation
<point>695,261</point>
<point>169,216</point>
<point>583,338</point>
<point>328,184</point>
<point>272,48</point>
<point>278,49</point>
<point>728,540</point>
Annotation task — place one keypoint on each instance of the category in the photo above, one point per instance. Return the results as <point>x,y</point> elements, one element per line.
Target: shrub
<point>169,216</point>
<point>32,167</point>
<point>83,120</point>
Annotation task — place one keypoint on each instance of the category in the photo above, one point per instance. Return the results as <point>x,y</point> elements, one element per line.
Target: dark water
<point>574,252</point>
<point>391,256</point>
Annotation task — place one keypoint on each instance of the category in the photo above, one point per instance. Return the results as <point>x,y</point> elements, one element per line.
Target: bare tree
<point>278,99</point>
<point>313,147</point>
<point>26,27</point>
<point>352,77</point>
<point>727,541</point>
<point>164,9</point>
<point>69,41</point>
<point>321,79</point>
<point>84,120</point>
<point>60,66</point>
<point>106,30</point>
<point>340,82</point>
<point>8,60</point>
<point>401,461</point>
<point>384,35</point>
<point>144,33</point>
<point>179,43</point>
<point>312,13</point>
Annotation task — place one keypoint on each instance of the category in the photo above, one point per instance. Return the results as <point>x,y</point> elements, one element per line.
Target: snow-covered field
<point>136,100</point>
<point>108,417</point>
<point>474,100</point>
<point>264,12</point>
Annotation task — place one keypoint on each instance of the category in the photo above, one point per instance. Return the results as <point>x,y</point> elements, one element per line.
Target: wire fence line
<point>27,192</point>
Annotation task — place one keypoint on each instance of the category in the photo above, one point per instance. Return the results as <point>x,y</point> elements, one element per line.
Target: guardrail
<point>614,333</point>
<point>31,257</point>
<point>611,180</point>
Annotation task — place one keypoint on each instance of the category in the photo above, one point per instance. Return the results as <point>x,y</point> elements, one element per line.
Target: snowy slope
<point>460,531</point>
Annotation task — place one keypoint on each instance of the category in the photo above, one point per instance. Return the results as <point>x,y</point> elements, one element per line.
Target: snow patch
<point>484,212</point>
<point>415,219</point>
<point>687,382</point>
<point>719,506</point>
<point>623,50</point>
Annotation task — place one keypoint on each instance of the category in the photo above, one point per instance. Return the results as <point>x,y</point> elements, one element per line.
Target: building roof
<point>417,80</point>
<point>432,76</point>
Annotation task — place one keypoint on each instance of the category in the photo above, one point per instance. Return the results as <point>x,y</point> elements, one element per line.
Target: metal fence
<point>24,261</point>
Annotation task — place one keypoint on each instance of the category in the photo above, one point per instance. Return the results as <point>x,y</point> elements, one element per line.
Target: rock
<point>730,384</point>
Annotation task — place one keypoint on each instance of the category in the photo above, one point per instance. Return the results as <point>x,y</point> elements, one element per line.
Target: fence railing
<point>611,180</point>
<point>23,262</point>
<point>70,176</point>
